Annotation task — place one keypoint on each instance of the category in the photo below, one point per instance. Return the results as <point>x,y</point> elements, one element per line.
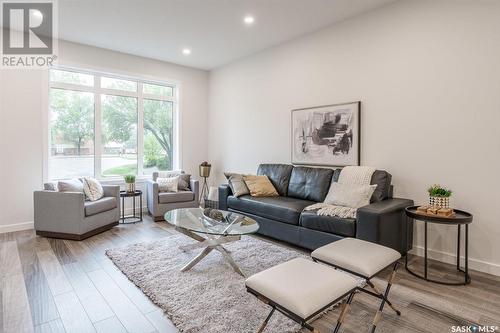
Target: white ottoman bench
<point>363,259</point>
<point>301,289</point>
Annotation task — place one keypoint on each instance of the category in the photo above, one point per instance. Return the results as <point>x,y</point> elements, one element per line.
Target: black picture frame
<point>333,160</point>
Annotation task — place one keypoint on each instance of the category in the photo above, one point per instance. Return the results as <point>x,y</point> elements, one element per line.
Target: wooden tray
<point>452,216</point>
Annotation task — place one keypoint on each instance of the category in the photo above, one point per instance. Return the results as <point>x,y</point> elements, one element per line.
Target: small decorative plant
<point>130,182</point>
<point>439,196</point>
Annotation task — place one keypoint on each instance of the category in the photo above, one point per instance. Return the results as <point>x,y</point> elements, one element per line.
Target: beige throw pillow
<point>260,186</point>
<point>169,184</point>
<point>349,195</point>
<point>237,184</point>
<point>92,189</point>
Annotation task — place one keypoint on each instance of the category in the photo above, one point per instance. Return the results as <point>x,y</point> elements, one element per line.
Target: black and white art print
<point>326,135</point>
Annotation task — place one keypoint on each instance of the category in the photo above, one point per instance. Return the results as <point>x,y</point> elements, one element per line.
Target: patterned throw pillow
<point>50,186</point>
<point>184,181</point>
<point>260,186</point>
<point>92,189</point>
<point>169,184</point>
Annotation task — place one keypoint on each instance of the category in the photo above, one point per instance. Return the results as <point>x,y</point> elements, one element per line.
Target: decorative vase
<point>205,171</point>
<point>442,202</point>
<point>130,187</point>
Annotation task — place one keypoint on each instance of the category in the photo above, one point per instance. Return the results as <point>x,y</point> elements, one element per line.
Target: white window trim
<point>98,92</point>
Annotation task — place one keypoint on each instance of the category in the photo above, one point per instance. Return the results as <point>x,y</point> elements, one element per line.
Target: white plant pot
<point>442,202</point>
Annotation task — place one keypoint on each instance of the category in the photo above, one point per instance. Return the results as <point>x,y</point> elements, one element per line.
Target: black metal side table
<point>134,218</point>
<point>461,218</point>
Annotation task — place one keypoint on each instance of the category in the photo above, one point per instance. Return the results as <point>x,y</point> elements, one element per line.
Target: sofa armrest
<point>152,196</point>
<point>112,191</point>
<point>385,223</point>
<point>194,184</point>
<point>224,193</point>
<point>58,211</point>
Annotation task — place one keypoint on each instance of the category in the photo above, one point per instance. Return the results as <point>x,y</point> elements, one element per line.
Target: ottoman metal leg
<point>343,313</point>
<point>389,282</point>
<point>378,315</point>
<point>264,324</point>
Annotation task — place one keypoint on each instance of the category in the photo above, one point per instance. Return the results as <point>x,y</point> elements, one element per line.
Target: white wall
<point>22,100</point>
<point>428,76</point>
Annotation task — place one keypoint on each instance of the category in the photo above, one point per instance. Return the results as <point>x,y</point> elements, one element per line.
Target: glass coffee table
<point>191,222</point>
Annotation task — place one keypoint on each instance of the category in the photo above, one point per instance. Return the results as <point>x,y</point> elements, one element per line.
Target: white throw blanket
<point>350,175</point>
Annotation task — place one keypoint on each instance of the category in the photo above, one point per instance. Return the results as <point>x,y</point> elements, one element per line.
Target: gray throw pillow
<point>237,184</point>
<point>72,185</point>
<point>51,186</point>
<point>184,181</point>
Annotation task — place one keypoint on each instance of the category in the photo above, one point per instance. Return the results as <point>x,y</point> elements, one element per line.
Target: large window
<point>109,126</point>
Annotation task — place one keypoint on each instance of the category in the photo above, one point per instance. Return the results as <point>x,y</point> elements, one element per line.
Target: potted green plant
<point>130,182</point>
<point>439,196</point>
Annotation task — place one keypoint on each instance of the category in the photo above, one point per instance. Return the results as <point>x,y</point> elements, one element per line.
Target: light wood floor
<point>50,285</point>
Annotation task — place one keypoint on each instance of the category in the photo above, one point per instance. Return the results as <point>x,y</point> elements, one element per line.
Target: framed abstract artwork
<point>327,135</point>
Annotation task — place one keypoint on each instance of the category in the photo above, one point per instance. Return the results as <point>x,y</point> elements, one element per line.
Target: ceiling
<point>212,29</point>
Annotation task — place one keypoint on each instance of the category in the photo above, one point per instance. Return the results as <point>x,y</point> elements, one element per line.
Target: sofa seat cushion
<point>99,206</point>
<point>331,224</point>
<point>171,197</point>
<point>283,209</point>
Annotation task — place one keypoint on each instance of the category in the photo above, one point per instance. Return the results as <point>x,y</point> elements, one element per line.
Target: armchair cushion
<point>171,197</point>
<point>99,206</point>
<point>71,185</point>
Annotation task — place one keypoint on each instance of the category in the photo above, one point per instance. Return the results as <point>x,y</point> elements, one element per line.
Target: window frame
<point>98,92</point>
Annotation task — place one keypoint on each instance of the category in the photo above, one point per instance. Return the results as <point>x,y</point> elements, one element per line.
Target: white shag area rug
<point>210,297</point>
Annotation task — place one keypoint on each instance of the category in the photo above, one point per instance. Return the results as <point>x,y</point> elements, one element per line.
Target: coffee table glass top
<point>193,219</point>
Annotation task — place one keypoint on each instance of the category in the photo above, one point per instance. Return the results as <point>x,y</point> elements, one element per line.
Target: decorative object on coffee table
<point>192,222</point>
<point>205,168</point>
<point>460,218</point>
<point>130,183</point>
<point>326,135</point>
<point>439,196</point>
<point>135,217</point>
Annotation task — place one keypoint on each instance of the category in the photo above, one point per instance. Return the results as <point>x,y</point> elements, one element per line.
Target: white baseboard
<point>16,227</point>
<point>451,258</point>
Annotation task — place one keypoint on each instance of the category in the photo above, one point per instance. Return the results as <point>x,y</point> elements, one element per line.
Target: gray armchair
<point>67,215</point>
<point>161,202</point>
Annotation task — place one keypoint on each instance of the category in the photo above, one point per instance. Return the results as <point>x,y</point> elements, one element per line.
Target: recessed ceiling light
<point>186,51</point>
<point>248,20</point>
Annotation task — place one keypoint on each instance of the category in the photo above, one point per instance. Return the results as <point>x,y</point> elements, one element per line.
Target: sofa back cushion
<point>310,183</point>
<point>278,174</point>
<point>383,181</point>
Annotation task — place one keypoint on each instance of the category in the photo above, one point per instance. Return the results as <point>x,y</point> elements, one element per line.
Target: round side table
<point>461,218</point>
<point>134,218</point>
